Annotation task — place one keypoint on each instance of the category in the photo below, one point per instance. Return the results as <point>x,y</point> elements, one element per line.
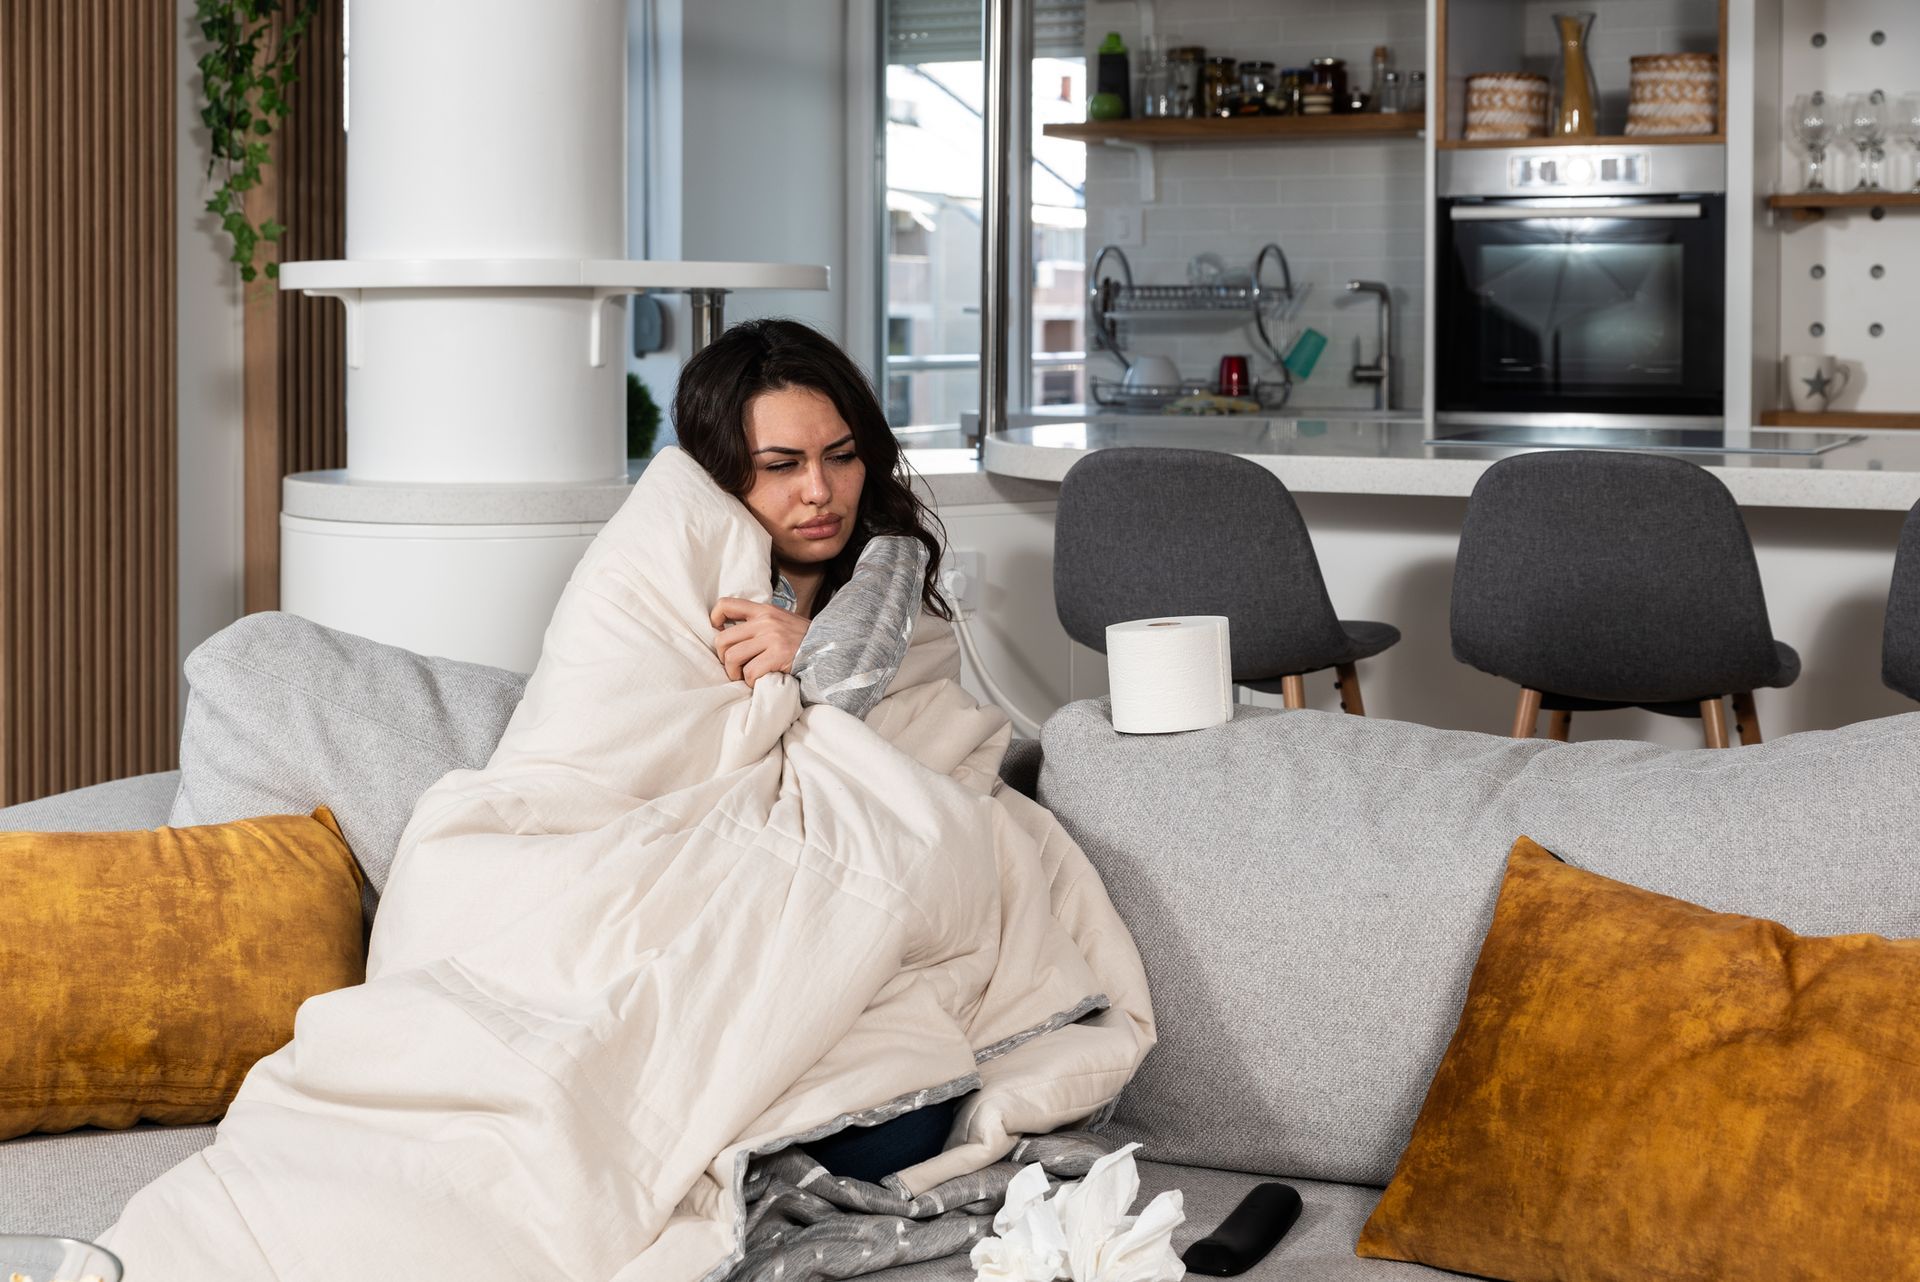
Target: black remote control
<point>1244,1237</point>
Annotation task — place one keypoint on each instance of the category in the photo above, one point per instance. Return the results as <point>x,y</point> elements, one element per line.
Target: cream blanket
<point>672,923</point>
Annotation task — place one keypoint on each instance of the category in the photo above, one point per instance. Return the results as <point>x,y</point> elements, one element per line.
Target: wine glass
<point>1865,118</point>
<point>1812,122</point>
<point>1906,127</point>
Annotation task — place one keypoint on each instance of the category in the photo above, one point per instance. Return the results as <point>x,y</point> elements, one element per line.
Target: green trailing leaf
<point>643,418</point>
<point>243,75</point>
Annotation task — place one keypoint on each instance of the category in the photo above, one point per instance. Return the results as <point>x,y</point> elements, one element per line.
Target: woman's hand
<point>761,638</point>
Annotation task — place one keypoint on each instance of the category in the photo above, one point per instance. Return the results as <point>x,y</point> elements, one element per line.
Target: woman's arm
<point>857,641</point>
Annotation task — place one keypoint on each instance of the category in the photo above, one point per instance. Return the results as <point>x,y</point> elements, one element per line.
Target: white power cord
<point>953,585</point>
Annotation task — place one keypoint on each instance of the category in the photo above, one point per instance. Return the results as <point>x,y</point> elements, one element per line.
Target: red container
<point>1234,380</point>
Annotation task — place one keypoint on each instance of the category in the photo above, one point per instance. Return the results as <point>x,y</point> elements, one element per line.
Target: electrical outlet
<point>960,579</point>
<point>1123,227</point>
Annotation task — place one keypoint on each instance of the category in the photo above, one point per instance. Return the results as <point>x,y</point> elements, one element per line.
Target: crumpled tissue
<point>1083,1232</point>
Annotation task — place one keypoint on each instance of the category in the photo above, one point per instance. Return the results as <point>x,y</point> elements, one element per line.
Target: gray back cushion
<point>1309,892</point>
<point>285,715</point>
<point>141,801</point>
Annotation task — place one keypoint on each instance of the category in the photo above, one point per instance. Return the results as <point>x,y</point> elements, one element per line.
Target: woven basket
<point>1674,93</point>
<point>1507,104</point>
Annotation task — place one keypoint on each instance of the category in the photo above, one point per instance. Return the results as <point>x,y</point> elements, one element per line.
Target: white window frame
<point>866,329</point>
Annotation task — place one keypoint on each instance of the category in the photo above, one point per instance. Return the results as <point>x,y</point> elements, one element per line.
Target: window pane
<point>1059,213</point>
<point>934,140</point>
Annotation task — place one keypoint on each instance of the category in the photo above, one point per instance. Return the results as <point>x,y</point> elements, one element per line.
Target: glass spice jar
<point>1222,87</point>
<point>1257,86</point>
<point>1185,80</point>
<point>1413,92</point>
<point>1329,78</point>
<point>1292,82</point>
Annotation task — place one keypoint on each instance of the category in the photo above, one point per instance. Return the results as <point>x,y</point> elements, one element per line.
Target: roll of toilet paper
<point>1170,674</point>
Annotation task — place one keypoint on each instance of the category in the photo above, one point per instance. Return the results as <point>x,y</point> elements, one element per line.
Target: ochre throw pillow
<point>145,972</point>
<point>1640,1088</point>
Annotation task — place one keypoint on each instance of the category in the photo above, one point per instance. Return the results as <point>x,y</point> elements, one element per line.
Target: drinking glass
<point>1906,126</point>
<point>1811,124</point>
<point>1866,124</point>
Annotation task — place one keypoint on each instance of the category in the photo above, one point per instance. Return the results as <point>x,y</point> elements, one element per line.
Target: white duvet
<point>673,922</point>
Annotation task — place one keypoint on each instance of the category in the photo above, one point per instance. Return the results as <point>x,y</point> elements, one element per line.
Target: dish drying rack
<point>1112,300</point>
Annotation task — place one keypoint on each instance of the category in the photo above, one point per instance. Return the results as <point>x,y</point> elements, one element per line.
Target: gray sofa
<point>1308,891</point>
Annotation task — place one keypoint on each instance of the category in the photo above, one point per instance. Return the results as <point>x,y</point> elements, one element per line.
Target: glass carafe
<point>1575,112</point>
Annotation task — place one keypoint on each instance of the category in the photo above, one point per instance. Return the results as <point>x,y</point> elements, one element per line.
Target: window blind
<point>949,30</point>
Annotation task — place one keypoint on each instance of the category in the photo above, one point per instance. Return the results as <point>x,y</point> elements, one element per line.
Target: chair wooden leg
<point>1713,722</point>
<point>1527,715</point>
<point>1746,717</point>
<point>1346,679</point>
<point>1559,725</point>
<point>1293,691</point>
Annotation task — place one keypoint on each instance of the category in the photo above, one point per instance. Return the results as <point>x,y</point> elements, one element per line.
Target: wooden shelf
<point>1405,124</point>
<point>1838,418</point>
<point>1806,206</point>
<point>1612,140</point>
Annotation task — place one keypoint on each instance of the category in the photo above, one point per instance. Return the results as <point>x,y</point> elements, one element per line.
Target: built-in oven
<point>1581,283</point>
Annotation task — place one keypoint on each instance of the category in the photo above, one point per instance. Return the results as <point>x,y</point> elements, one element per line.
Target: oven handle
<point>1538,213</point>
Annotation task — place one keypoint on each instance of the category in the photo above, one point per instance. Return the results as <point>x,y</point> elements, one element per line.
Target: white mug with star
<point>1814,383</point>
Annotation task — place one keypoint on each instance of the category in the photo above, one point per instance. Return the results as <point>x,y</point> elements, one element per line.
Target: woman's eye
<point>780,467</point>
<point>847,457</point>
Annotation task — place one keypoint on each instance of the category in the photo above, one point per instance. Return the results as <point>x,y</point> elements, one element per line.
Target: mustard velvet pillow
<point>1640,1088</point>
<point>145,972</point>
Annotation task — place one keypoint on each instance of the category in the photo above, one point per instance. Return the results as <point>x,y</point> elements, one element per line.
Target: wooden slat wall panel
<point>313,194</point>
<point>88,651</point>
<point>296,402</point>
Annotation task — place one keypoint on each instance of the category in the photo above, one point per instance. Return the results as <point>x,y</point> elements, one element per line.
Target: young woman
<point>783,420</point>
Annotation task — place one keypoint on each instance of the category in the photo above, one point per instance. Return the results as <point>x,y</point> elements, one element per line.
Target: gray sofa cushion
<point>285,715</point>
<point>1309,892</point>
<point>74,1185</point>
<point>140,802</point>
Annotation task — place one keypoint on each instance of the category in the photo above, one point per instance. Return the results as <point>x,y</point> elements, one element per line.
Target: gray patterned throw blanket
<point>805,1225</point>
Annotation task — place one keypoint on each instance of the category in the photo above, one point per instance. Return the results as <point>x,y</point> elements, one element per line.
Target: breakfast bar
<point>1762,466</point>
<point>1384,508</point>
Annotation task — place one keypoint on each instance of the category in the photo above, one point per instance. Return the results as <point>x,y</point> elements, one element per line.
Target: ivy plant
<point>245,76</point>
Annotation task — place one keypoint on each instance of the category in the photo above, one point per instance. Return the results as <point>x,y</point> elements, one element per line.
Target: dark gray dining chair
<point>1900,644</point>
<point>1144,533</point>
<point>1599,579</point>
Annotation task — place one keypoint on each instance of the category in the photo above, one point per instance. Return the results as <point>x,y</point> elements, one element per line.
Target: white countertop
<point>1881,472</point>
<point>947,478</point>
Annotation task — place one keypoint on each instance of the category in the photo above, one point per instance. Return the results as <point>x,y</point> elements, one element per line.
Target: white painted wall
<point>1340,210</point>
<point>207,315</point>
<point>1846,299</point>
<point>1390,558</point>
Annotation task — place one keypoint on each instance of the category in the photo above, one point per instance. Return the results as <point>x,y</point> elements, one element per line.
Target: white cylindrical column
<point>485,385</point>
<point>487,129</point>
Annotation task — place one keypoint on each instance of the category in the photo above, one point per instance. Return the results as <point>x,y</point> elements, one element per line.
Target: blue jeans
<point>872,1153</point>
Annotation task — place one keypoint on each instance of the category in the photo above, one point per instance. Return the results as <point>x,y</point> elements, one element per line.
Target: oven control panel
<point>1542,171</point>
<point>1550,173</point>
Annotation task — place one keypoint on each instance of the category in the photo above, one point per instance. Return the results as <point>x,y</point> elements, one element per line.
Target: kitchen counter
<point>1371,455</point>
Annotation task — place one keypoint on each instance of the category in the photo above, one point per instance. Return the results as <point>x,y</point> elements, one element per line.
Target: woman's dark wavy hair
<point>756,356</point>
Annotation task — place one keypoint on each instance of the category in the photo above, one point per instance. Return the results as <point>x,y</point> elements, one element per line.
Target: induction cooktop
<point>1658,440</point>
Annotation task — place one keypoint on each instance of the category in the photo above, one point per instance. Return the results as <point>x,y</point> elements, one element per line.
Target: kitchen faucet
<point>1380,373</point>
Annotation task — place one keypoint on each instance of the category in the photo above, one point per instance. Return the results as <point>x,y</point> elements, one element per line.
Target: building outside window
<point>932,167</point>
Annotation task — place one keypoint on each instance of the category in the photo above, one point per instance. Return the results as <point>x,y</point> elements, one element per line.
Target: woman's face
<point>806,474</point>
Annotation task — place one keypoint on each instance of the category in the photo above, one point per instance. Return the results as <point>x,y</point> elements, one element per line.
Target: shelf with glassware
<point>1203,129</point>
<point>1865,122</point>
<point>1611,140</point>
<point>1840,418</point>
<point>1806,206</point>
